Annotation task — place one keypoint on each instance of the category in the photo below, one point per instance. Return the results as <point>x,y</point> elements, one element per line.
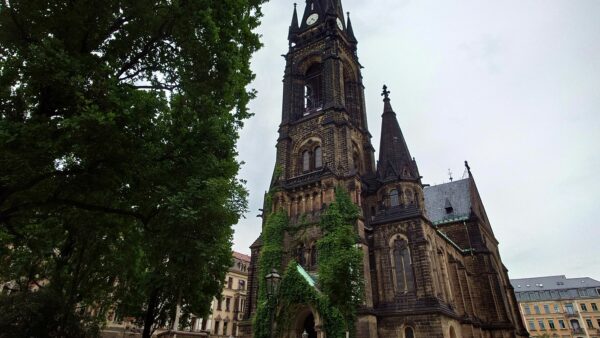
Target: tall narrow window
<point>394,201</point>
<point>313,100</point>
<point>305,161</point>
<point>313,255</point>
<point>402,266</point>
<point>409,333</point>
<point>318,157</point>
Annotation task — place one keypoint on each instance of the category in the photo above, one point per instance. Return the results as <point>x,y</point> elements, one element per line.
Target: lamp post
<point>272,280</point>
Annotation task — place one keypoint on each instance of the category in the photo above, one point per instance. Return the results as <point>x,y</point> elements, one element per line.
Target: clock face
<point>339,23</point>
<point>312,19</point>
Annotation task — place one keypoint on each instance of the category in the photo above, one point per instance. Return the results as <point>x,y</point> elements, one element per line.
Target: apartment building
<point>559,307</point>
<point>228,310</point>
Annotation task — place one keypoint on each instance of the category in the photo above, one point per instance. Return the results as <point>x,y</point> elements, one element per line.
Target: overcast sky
<point>511,86</point>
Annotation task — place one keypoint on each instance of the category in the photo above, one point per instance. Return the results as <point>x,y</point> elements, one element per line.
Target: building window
<point>546,308</point>
<point>242,284</point>
<point>318,158</point>
<point>531,325</point>
<point>537,309</point>
<point>556,310</point>
<point>541,324</point>
<point>225,328</point>
<point>313,100</point>
<point>583,307</point>
<point>227,304</point>
<point>305,161</point>
<point>561,323</point>
<point>230,283</point>
<point>589,323</point>
<point>217,326</point>
<point>313,255</point>
<point>219,304</point>
<point>402,265</point>
<point>575,324</point>
<point>527,309</point>
<point>409,333</point>
<point>598,320</point>
<point>394,201</point>
<point>570,309</point>
<point>551,324</point>
<point>594,307</point>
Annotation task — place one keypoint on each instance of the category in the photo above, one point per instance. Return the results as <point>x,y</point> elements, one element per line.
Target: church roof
<point>394,157</point>
<point>448,202</point>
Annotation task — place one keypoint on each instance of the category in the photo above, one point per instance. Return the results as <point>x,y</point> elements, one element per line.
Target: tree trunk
<point>149,318</point>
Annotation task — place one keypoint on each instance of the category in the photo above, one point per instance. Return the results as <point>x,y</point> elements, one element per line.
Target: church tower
<point>431,265</point>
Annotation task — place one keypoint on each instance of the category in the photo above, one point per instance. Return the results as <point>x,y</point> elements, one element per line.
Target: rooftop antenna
<point>450,174</point>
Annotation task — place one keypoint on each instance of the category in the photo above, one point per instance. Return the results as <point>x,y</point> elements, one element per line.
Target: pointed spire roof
<point>394,157</point>
<point>294,27</point>
<point>349,29</point>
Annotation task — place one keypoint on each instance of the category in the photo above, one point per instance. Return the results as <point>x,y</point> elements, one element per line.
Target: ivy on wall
<point>339,273</point>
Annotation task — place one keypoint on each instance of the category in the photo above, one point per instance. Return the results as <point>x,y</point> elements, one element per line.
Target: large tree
<point>118,125</point>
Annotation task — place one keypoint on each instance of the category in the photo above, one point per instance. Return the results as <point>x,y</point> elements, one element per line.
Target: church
<point>430,260</point>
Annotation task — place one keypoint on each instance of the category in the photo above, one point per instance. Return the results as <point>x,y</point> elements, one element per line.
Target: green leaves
<point>118,125</point>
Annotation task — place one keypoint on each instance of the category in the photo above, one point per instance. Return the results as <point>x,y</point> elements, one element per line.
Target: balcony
<point>577,331</point>
<point>573,314</point>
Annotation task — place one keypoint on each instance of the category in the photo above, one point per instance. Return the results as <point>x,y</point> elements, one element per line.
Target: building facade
<point>559,307</point>
<point>431,264</point>
<point>228,310</point>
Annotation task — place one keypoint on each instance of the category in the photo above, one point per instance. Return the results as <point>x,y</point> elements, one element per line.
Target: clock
<point>340,24</point>
<point>312,19</point>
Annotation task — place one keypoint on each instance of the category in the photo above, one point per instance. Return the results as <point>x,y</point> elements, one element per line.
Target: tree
<point>118,124</point>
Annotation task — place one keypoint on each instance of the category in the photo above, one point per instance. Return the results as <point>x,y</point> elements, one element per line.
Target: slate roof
<point>455,194</point>
<point>241,256</point>
<point>559,282</point>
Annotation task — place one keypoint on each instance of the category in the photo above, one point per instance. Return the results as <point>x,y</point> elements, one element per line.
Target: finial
<point>385,93</point>
<point>295,5</point>
<point>468,168</point>
<point>450,174</point>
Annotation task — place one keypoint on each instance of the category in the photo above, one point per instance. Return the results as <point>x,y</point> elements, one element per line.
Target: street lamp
<point>272,280</point>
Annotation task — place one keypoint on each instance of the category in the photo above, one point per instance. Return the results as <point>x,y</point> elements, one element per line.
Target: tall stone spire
<point>349,30</point>
<point>394,158</point>
<point>294,27</point>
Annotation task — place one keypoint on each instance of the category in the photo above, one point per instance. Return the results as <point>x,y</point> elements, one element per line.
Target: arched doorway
<point>309,327</point>
<point>452,332</point>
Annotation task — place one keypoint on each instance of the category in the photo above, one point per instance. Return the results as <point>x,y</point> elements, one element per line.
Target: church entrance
<point>309,327</point>
<point>306,321</point>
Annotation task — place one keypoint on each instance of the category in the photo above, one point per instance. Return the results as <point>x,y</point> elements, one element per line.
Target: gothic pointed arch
<point>402,266</point>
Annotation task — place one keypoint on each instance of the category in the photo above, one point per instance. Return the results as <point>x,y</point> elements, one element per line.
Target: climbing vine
<point>339,260</point>
<point>339,273</point>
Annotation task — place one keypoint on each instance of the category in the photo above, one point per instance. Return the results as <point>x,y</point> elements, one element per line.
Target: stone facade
<point>431,261</point>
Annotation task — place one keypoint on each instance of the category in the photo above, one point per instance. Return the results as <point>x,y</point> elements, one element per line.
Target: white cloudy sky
<point>512,86</point>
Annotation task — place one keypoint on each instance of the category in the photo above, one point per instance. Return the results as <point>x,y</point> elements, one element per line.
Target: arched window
<point>318,157</point>
<point>300,255</point>
<point>313,255</point>
<point>313,99</point>
<point>305,161</point>
<point>402,265</point>
<point>394,201</point>
<point>409,333</point>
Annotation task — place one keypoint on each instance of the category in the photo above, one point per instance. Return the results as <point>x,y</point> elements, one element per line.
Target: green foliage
<point>118,124</point>
<point>270,258</point>
<point>340,278</point>
<point>340,261</point>
<point>294,291</point>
